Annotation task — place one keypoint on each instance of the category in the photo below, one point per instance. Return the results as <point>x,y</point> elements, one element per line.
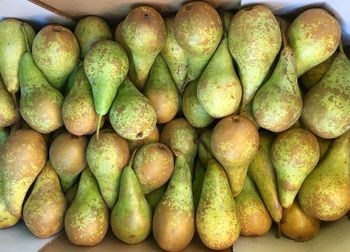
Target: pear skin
<point>325,193</point>
<point>9,113</point>
<point>44,210</point>
<point>174,217</point>
<point>217,221</point>
<point>151,138</point>
<point>86,220</point>
<point>234,143</point>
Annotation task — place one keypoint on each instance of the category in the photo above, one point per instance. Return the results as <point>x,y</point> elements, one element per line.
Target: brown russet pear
<point>254,40</point>
<point>44,210</point>
<point>298,225</point>
<point>9,113</point>
<point>198,30</point>
<point>143,32</point>
<point>151,138</point>
<point>23,156</point>
<point>56,52</point>
<point>131,217</point>
<point>263,174</point>
<point>217,220</point>
<point>86,220</point>
<point>314,36</point>
<point>326,109</point>
<point>106,158</point>
<point>294,154</point>
<point>161,91</point>
<point>67,156</point>
<point>174,216</point>
<point>153,165</point>
<point>253,215</point>
<point>15,35</point>
<point>325,193</point>
<point>234,143</point>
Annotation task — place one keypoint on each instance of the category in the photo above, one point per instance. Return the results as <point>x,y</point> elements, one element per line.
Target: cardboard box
<point>333,236</point>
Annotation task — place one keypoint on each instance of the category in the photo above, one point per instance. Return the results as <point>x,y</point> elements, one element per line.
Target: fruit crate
<point>333,236</point>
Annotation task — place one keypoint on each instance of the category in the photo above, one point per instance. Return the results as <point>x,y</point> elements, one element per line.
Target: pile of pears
<point>202,123</point>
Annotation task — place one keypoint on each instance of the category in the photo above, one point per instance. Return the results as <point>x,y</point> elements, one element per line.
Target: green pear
<point>192,109</point>
<point>56,52</point>
<point>44,210</point>
<point>174,55</point>
<point>22,157</point>
<point>254,40</point>
<point>86,220</point>
<point>174,217</point>
<point>106,66</point>
<point>198,30</point>
<point>204,147</point>
<point>89,30</point>
<point>143,32</point>
<point>131,217</point>
<point>326,109</point>
<point>132,115</point>
<point>253,215</point>
<point>40,103</point>
<point>67,156</point>
<point>219,89</point>
<point>161,91</point>
<point>14,37</point>
<point>217,220</point>
<point>9,113</point>
<point>198,177</point>
<point>78,112</point>
<point>294,154</point>
<point>181,137</point>
<point>106,159</point>
<point>278,104</point>
<point>154,197</point>
<point>325,193</point>
<point>314,36</point>
<point>263,174</point>
<point>234,143</point>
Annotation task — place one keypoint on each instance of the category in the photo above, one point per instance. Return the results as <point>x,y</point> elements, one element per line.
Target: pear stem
<point>98,127</point>
<point>14,99</point>
<point>341,49</point>
<point>25,37</point>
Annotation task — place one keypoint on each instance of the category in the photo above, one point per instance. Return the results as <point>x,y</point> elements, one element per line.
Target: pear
<point>89,30</point>
<point>22,157</point>
<point>198,30</point>
<point>153,165</point>
<point>180,137</point>
<point>219,89</point>
<point>204,147</point>
<point>154,197</point>
<point>299,226</point>
<point>254,40</point>
<point>234,143</point>
<point>44,210</point>
<point>246,110</point>
<point>174,55</point>
<point>313,36</point>
<point>14,38</point>
<point>106,66</point>
<point>278,104</point>
<point>326,109</point>
<point>131,217</point>
<point>40,103</point>
<point>67,156</point>
<point>132,115</point>
<point>106,158</point>
<point>313,76</point>
<point>174,217</point>
<point>151,138</point>
<point>86,220</point>
<point>161,91</point>
<point>217,220</point>
<point>198,177</point>
<point>9,114</point>
<point>254,217</point>
<point>263,174</point>
<point>193,111</point>
<point>294,154</point>
<point>56,52</point>
<point>325,193</point>
<point>143,32</point>
<point>78,112</point>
